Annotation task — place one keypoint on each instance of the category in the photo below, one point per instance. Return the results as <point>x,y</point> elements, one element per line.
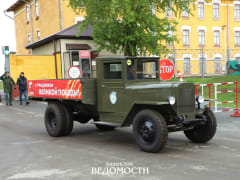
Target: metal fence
<point>203,62</point>
<point>190,62</point>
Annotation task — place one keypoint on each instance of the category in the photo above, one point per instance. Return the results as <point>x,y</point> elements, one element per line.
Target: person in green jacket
<point>7,86</point>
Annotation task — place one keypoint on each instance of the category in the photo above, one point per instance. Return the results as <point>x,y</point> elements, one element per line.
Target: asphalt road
<point>27,152</point>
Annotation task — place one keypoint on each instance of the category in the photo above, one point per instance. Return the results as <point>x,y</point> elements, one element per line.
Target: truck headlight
<point>200,99</point>
<point>171,100</point>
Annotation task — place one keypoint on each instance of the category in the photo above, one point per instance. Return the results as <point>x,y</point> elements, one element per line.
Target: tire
<point>150,131</point>
<point>69,121</point>
<point>104,127</point>
<point>203,133</point>
<point>55,121</point>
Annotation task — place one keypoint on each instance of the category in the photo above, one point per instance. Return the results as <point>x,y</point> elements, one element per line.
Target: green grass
<point>219,79</point>
<point>1,85</point>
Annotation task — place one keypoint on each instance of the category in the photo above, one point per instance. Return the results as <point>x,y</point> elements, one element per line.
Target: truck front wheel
<point>205,132</point>
<point>150,131</point>
<point>55,120</point>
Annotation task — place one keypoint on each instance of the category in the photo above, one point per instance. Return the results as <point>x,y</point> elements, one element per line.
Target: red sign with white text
<point>166,68</point>
<point>56,89</point>
<point>84,54</point>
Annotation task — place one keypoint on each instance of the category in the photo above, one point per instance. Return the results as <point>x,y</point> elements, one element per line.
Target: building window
<point>217,65</point>
<point>169,12</point>
<point>36,9</point>
<point>38,35</point>
<point>28,38</point>
<point>170,35</point>
<point>187,68</point>
<point>27,14</point>
<point>186,41</point>
<point>237,38</point>
<point>185,15</point>
<point>201,10</point>
<point>216,38</point>
<point>237,12</point>
<point>215,11</point>
<point>201,38</point>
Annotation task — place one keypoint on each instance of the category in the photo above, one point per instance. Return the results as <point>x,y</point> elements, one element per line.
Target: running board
<point>106,123</point>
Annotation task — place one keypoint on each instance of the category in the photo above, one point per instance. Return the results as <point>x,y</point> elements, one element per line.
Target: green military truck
<point>126,91</point>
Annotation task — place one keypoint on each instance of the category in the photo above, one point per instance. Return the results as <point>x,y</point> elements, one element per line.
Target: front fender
<point>202,108</point>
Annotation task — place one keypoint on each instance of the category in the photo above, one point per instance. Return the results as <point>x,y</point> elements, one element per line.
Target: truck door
<point>111,91</point>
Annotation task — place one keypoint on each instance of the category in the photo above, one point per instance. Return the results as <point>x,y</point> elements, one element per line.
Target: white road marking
<point>41,102</point>
<point>199,168</point>
<point>26,143</point>
<point>28,112</point>
<point>229,128</point>
<point>238,155</point>
<point>39,174</point>
<point>23,111</point>
<point>228,148</point>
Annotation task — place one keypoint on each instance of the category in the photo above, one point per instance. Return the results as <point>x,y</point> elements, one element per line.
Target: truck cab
<point>127,84</point>
<point>127,91</point>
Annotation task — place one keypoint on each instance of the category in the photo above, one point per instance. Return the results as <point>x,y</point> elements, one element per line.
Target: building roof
<point>68,33</point>
<point>16,5</point>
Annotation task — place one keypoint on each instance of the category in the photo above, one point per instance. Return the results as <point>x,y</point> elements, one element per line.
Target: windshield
<point>146,70</point>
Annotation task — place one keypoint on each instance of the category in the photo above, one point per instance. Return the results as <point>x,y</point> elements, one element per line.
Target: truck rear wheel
<point>150,131</point>
<point>205,132</point>
<point>69,121</point>
<point>55,120</point>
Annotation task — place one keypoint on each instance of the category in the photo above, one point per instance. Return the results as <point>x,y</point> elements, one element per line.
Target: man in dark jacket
<point>22,82</point>
<point>7,86</point>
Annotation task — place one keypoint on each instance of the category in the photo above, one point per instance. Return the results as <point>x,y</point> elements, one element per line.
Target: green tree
<point>130,26</point>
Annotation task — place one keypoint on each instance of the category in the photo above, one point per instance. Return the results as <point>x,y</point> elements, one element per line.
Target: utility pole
<point>203,63</point>
<point>174,58</point>
<point>228,40</point>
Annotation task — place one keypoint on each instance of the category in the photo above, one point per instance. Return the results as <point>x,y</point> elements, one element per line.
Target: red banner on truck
<point>55,89</point>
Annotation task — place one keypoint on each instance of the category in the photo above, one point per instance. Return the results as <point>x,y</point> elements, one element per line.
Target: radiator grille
<point>186,100</point>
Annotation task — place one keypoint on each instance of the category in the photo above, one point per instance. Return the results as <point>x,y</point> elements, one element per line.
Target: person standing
<point>22,82</point>
<point>7,86</point>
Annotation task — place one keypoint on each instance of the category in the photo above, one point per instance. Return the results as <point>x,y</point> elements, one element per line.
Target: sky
<point>7,31</point>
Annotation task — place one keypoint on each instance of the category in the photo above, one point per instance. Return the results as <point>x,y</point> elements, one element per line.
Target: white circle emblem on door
<point>113,97</point>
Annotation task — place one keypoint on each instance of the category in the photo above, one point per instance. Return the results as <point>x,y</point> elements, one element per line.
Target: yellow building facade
<point>211,34</point>
<point>38,19</point>
<point>35,67</point>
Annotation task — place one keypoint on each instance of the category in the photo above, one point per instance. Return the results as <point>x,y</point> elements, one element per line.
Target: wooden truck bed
<point>83,90</point>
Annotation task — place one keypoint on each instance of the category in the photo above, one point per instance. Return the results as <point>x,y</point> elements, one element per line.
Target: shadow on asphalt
<point>123,138</point>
